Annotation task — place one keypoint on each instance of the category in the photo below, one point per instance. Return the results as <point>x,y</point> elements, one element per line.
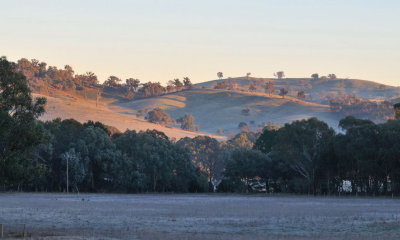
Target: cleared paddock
<point>197,216</point>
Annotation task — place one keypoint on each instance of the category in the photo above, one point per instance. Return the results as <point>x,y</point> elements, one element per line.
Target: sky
<point>158,40</point>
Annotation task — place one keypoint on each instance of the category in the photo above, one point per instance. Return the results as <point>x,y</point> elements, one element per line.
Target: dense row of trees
<point>43,78</point>
<point>125,162</point>
<point>132,88</point>
<point>307,156</point>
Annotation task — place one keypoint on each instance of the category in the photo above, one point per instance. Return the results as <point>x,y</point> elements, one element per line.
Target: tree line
<point>43,78</point>
<point>305,156</point>
<point>308,156</point>
<point>133,88</point>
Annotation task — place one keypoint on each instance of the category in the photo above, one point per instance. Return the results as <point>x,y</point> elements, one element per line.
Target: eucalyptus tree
<point>19,130</point>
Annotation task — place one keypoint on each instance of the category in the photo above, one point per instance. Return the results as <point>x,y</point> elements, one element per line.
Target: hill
<point>315,90</point>
<point>216,105</point>
<point>224,109</point>
<point>61,104</point>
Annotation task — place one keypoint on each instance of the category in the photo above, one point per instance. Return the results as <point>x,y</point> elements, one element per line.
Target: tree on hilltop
<point>280,74</point>
<point>112,81</point>
<point>315,76</point>
<point>187,83</point>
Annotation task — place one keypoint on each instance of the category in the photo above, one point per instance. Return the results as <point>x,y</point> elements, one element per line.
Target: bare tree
<point>269,87</point>
<point>252,88</point>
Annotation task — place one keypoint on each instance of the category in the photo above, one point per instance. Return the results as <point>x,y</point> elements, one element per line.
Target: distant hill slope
<point>216,109</point>
<point>64,105</point>
<point>315,88</point>
<point>125,103</point>
<point>222,109</point>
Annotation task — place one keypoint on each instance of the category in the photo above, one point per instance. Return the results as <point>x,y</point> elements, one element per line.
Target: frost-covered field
<point>153,216</point>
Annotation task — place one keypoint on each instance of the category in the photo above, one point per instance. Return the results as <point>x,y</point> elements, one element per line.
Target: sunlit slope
<point>223,109</point>
<point>65,106</point>
<point>360,88</point>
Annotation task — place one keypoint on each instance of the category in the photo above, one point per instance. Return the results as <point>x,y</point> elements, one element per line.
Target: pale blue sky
<point>157,40</point>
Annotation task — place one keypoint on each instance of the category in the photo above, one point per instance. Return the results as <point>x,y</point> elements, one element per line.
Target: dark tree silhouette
<point>280,74</point>
<point>283,92</point>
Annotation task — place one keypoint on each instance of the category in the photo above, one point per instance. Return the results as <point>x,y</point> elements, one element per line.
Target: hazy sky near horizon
<point>158,40</point>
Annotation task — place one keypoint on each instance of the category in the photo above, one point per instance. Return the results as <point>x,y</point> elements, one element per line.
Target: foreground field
<point>100,216</point>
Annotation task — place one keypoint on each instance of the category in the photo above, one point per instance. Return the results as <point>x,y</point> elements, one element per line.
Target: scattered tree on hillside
<point>220,75</point>
<point>332,76</point>
<point>252,88</point>
<point>248,75</point>
<point>280,74</point>
<point>150,89</point>
<point>315,76</point>
<point>88,79</point>
<point>132,84</point>
<point>269,87</point>
<point>187,123</point>
<point>187,83</point>
<point>178,84</point>
<point>221,85</point>
<point>112,81</point>
<point>157,115</point>
<point>283,92</point>
<point>301,94</point>
<point>170,86</point>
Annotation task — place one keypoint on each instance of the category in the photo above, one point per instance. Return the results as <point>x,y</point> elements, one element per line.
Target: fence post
<point>1,231</point>
<point>23,233</point>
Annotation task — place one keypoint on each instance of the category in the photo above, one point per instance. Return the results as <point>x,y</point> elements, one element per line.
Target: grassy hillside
<point>66,105</point>
<point>214,109</point>
<point>315,89</point>
<point>224,109</point>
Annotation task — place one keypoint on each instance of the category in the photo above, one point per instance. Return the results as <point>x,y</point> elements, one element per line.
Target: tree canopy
<point>19,130</point>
